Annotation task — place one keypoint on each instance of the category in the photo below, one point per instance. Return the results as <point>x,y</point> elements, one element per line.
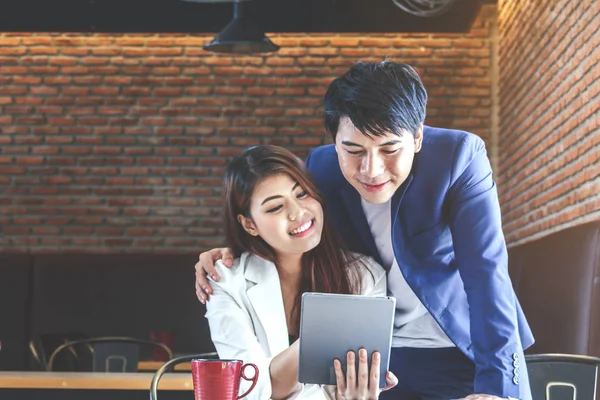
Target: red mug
<point>220,379</point>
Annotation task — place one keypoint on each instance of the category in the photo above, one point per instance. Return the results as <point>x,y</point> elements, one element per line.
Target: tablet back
<point>333,324</point>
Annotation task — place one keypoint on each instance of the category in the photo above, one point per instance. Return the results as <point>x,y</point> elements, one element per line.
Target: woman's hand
<point>363,385</point>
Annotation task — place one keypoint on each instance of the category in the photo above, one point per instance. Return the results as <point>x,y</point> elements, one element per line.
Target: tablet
<point>333,324</point>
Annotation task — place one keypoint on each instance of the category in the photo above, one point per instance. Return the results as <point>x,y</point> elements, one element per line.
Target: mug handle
<point>254,379</point>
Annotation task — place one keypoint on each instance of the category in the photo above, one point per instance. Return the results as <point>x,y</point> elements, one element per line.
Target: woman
<point>283,246</point>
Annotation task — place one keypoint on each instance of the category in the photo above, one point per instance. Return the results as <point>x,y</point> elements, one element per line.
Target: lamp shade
<point>241,35</point>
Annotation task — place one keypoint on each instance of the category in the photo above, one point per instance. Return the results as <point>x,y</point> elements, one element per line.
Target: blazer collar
<point>264,293</point>
<point>352,202</point>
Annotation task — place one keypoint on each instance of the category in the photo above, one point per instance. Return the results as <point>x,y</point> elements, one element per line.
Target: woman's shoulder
<point>247,264</point>
<point>228,276</point>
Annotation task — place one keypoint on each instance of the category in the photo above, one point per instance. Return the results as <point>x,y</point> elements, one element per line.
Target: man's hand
<point>365,384</point>
<point>481,396</point>
<point>206,266</point>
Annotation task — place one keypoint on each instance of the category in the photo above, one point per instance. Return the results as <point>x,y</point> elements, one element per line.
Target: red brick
<point>256,91</point>
<point>258,71</point>
<point>173,116</point>
<point>314,42</point>
<point>13,51</point>
<point>298,91</point>
<point>228,90</point>
<point>13,90</point>
<point>281,61</point>
<point>9,41</point>
<point>136,70</point>
<point>288,71</point>
<point>530,116</point>
<point>19,110</point>
<point>50,110</point>
<point>375,43</point>
<point>228,71</point>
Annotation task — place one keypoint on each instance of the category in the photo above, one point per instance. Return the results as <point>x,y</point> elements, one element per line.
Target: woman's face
<point>284,215</point>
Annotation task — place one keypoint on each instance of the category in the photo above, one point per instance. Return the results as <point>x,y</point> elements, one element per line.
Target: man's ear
<point>248,225</point>
<point>419,139</point>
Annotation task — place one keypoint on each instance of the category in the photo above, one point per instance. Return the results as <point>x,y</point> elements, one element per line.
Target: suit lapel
<point>352,202</point>
<point>265,296</point>
<point>396,202</point>
<point>398,196</point>
<point>355,211</point>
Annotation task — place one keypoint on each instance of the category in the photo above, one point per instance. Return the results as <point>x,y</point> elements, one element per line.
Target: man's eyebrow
<point>349,143</point>
<point>352,144</point>
<point>390,143</point>
<point>278,196</point>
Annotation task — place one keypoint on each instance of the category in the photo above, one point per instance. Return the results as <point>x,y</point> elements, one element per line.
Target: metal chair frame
<point>166,366</point>
<point>106,339</point>
<point>564,358</point>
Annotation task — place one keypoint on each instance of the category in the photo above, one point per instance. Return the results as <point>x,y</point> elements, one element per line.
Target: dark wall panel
<point>188,16</point>
<point>15,273</point>
<point>120,295</point>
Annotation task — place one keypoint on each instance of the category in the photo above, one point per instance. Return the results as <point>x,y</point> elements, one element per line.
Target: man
<point>422,202</point>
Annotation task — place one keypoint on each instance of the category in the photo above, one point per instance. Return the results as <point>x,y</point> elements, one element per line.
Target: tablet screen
<point>333,324</point>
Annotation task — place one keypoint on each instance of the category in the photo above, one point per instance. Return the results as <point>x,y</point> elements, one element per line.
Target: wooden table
<point>92,380</point>
<point>155,365</point>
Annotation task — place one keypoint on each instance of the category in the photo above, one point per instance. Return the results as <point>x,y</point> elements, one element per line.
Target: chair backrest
<point>562,376</point>
<point>557,281</point>
<point>115,357</point>
<point>41,347</point>
<point>111,354</point>
<point>171,363</point>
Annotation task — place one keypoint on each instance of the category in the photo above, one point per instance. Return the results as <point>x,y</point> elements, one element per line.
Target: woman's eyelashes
<point>303,194</point>
<point>274,209</point>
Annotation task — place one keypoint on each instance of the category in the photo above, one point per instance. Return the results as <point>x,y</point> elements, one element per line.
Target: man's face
<point>375,167</point>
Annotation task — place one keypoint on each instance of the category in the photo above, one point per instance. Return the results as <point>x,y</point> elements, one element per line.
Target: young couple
<point>417,200</point>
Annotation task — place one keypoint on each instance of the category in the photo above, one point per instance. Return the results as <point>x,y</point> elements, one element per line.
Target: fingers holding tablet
<point>374,378</point>
<point>340,380</point>
<point>390,381</point>
<point>364,383</point>
<point>363,374</point>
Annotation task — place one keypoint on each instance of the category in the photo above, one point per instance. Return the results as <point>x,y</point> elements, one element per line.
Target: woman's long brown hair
<point>327,268</point>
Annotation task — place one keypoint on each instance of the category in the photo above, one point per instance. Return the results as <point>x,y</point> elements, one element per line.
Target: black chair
<point>111,354</point>
<point>41,347</point>
<point>171,363</point>
<point>562,376</point>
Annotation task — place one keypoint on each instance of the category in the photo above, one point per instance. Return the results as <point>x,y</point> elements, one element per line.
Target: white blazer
<point>247,319</point>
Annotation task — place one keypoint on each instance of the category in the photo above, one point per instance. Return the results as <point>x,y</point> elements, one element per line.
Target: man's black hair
<point>378,98</point>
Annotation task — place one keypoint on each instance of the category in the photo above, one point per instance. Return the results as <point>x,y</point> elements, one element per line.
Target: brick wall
<point>118,142</point>
<point>549,141</point>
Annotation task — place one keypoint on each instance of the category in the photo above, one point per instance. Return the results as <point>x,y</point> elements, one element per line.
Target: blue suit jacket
<point>448,241</point>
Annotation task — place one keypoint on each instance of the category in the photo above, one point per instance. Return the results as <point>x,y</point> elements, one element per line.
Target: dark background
<point>278,16</point>
<point>98,295</point>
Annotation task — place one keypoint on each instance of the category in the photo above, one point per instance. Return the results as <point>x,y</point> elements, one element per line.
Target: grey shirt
<point>413,324</point>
